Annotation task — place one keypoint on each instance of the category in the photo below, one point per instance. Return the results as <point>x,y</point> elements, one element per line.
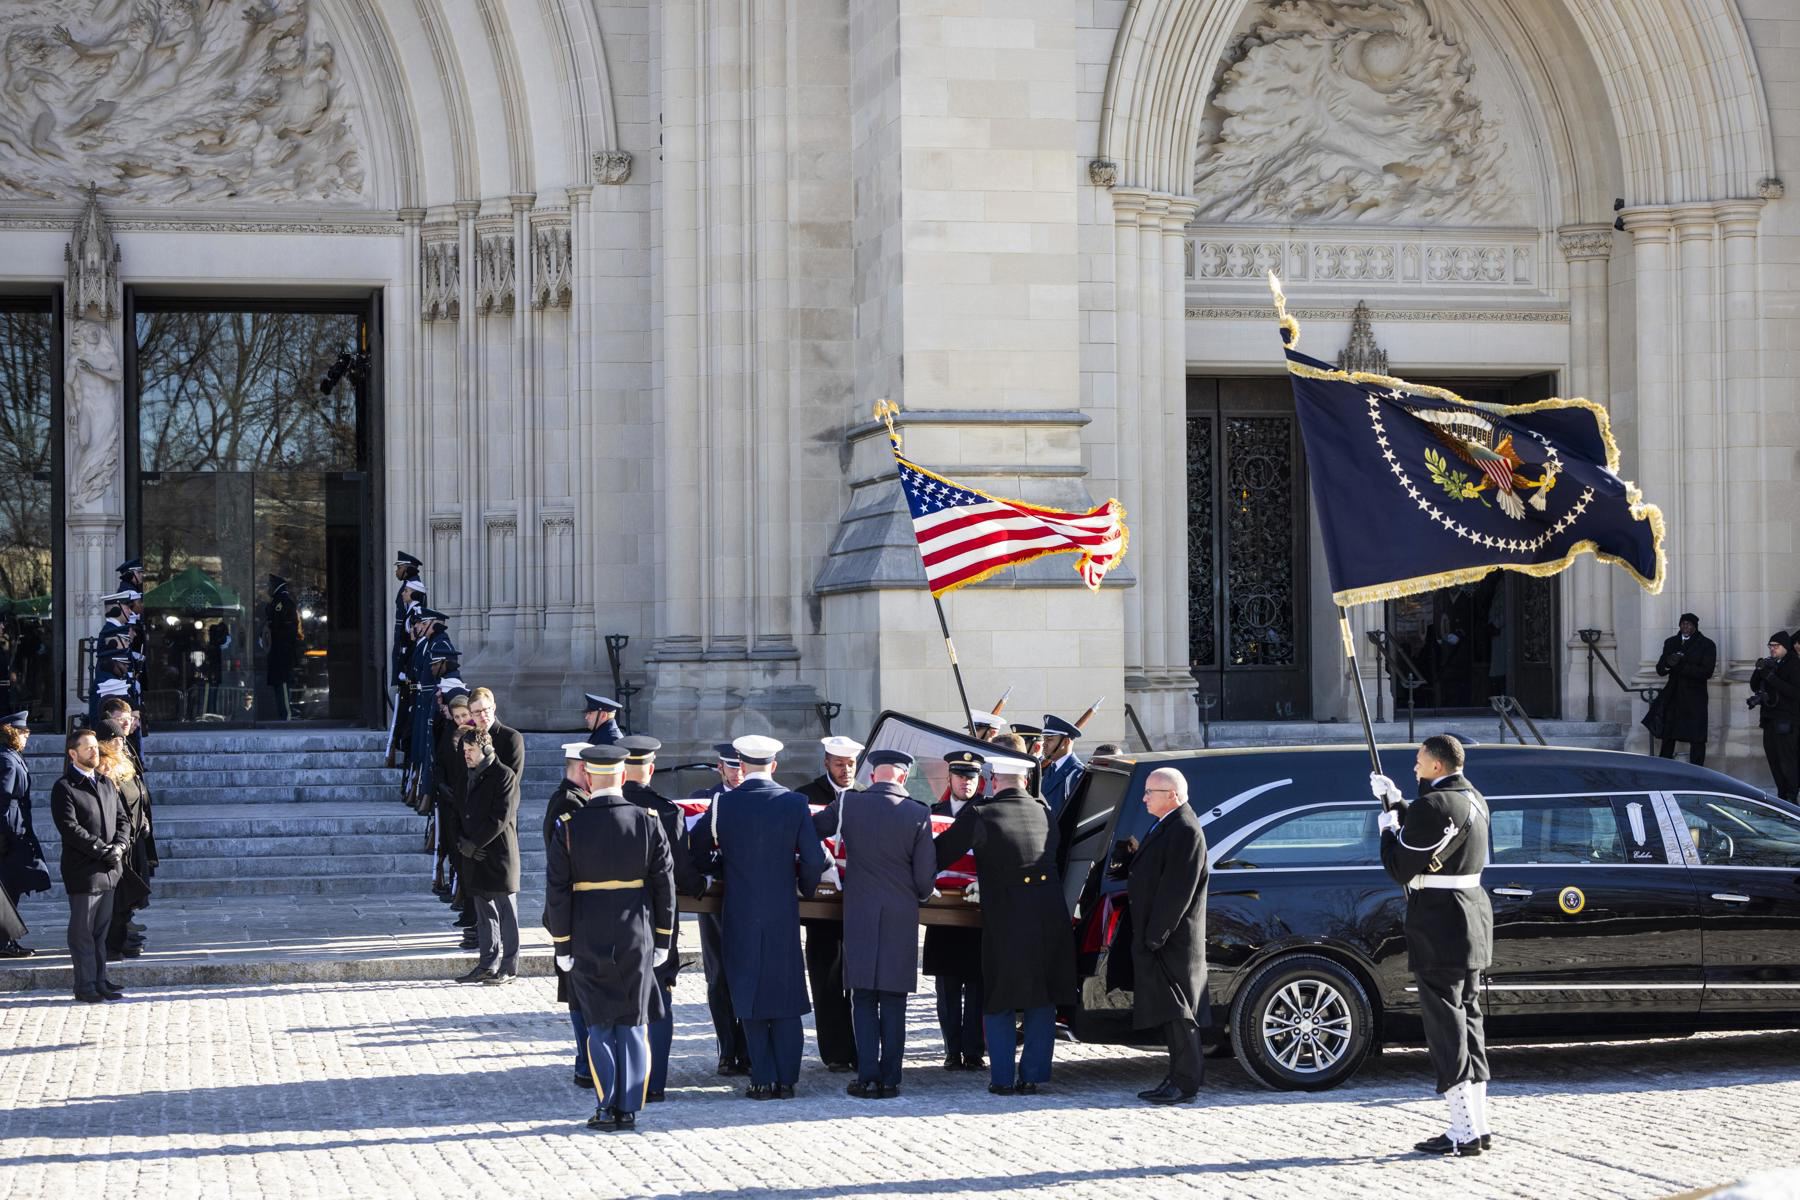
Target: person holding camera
<point>1775,690</point>
<point>1688,661</point>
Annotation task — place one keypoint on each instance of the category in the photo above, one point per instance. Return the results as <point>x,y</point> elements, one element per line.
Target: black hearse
<point>1632,896</point>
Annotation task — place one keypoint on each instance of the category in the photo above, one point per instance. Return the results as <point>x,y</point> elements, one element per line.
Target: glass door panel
<point>200,589</point>
<point>28,511</point>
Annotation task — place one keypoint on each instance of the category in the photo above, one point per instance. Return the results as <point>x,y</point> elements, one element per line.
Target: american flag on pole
<point>966,535</point>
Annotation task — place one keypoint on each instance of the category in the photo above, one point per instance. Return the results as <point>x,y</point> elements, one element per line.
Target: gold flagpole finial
<point>885,412</point>
<point>1290,328</point>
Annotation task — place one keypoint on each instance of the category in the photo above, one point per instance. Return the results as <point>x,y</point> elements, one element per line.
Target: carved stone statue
<point>172,101</point>
<point>1353,111</point>
<point>94,390</point>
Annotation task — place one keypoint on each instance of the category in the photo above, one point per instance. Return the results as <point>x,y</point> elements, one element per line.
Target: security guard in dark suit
<point>600,716</point>
<point>610,910</point>
<point>1435,848</point>
<point>640,767</point>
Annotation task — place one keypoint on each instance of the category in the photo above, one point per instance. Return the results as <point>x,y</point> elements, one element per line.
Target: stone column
<point>93,428</point>
<point>1697,556</point>
<point>1128,209</point>
<point>1588,591</point>
<point>1172,554</point>
<point>1656,464</point>
<point>585,425</point>
<point>471,534</point>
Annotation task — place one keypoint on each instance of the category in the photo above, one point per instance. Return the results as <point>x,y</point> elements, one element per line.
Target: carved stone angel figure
<point>94,391</point>
<point>1351,110</point>
<point>172,101</point>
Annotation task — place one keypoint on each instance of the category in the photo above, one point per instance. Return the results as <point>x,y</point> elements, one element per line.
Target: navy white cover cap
<point>990,721</point>
<point>756,749</point>
<point>1011,766</point>
<point>572,750</point>
<point>841,747</point>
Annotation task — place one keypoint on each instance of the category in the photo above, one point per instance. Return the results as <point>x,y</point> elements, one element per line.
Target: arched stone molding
<point>389,124</point>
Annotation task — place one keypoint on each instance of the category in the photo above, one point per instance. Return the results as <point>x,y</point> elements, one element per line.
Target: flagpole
<point>1362,699</point>
<point>956,669</point>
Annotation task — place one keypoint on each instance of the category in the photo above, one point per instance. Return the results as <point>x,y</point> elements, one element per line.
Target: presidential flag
<point>966,535</point>
<point>1417,488</point>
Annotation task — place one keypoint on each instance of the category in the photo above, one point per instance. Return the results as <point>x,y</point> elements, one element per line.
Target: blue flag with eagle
<point>1417,488</point>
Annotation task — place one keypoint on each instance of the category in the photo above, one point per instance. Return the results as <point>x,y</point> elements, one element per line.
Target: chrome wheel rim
<point>1306,1027</point>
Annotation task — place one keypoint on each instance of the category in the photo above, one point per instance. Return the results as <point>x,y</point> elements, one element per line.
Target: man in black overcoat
<point>1435,848</point>
<point>610,910</point>
<point>952,952</point>
<point>1688,660</point>
<point>85,809</point>
<point>895,871</point>
<point>1027,950</point>
<point>490,850</point>
<point>1775,691</point>
<point>832,1025</point>
<point>762,830</point>
<point>640,768</point>
<point>1166,891</point>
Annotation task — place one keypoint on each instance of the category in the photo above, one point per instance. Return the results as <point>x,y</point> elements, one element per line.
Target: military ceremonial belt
<point>1447,882</point>
<point>608,885</point>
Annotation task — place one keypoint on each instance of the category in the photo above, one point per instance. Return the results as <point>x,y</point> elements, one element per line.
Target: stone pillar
<point>1588,586</point>
<point>93,432</point>
<point>1656,465</point>
<point>1128,209</point>
<point>1171,561</point>
<point>1697,554</point>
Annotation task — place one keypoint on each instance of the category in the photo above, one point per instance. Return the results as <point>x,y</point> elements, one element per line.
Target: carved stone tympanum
<point>172,101</point>
<point>1350,110</point>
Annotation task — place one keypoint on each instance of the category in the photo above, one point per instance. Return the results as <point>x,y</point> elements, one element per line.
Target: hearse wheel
<point>1303,1024</point>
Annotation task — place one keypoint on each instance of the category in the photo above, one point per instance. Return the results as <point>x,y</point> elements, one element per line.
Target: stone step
<point>170,782</point>
<point>181,868</point>
<point>294,793</point>
<point>341,886</point>
<point>266,741</point>
<point>298,846</point>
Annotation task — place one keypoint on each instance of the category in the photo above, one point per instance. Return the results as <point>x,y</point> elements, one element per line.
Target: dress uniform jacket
<point>610,903</point>
<point>1027,949</point>
<point>607,733</point>
<point>1059,782</point>
<point>762,827</point>
<point>281,617</point>
<point>1447,927</point>
<point>491,821</point>
<point>86,812</point>
<point>1166,891</point>
<point>951,950</point>
<point>565,799</point>
<point>22,867</point>
<point>888,835</point>
<point>687,880</point>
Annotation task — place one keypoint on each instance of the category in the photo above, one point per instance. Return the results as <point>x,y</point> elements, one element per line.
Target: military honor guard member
<point>610,910</point>
<point>601,719</point>
<point>734,1055</point>
<point>281,630</point>
<point>752,838</point>
<point>1063,768</point>
<point>1435,847</point>
<point>570,794</point>
<point>640,769</point>
<point>1166,895</point>
<point>410,592</point>
<point>895,871</point>
<point>1027,958</point>
<point>23,870</point>
<point>953,953</point>
<point>825,939</point>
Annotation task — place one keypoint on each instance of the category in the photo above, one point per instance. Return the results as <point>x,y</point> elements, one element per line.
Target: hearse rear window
<point>1318,837</point>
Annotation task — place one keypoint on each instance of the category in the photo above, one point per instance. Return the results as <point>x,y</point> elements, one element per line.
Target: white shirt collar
<point>87,773</point>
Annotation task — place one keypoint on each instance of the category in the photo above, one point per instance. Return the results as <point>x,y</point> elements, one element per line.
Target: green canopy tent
<point>35,606</point>
<point>192,590</point>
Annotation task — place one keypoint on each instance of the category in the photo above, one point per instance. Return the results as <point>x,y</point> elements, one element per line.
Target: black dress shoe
<point>1443,1146</point>
<point>469,942</point>
<point>1486,1140</point>
<point>655,1097</point>
<point>465,921</point>
<point>89,997</point>
<point>128,950</point>
<point>952,1063</point>
<point>887,1091</point>
<point>111,991</point>
<point>1151,1091</point>
<point>14,950</point>
<point>134,927</point>
<point>479,975</point>
<point>603,1119</point>
<point>1000,1089</point>
<point>1170,1094</point>
<point>583,1081</point>
<point>784,1091</point>
<point>759,1091</point>
<point>625,1122</point>
<point>977,1063</point>
<point>861,1090</point>
<point>839,1068</point>
<point>500,977</point>
<point>1025,1089</point>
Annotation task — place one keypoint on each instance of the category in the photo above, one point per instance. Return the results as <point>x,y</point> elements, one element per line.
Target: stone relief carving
<point>494,273</point>
<point>1103,172</point>
<point>92,262</point>
<point>552,275</point>
<point>1587,243</point>
<point>172,101</point>
<point>612,167</point>
<point>440,284</point>
<point>1351,110</point>
<point>1399,261</point>
<point>93,380</point>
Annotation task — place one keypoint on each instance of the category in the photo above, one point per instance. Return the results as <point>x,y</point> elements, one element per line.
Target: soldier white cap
<point>841,747</point>
<point>755,750</point>
<point>1011,766</point>
<point>572,750</point>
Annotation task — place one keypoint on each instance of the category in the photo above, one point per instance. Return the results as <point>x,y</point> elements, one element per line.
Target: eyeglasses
<point>1158,789</point>
<point>481,712</point>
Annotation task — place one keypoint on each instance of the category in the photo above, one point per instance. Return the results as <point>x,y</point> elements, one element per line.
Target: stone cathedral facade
<point>619,282</point>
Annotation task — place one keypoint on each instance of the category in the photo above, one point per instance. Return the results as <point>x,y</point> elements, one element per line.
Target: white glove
<point>972,893</point>
<point>1388,821</point>
<point>662,956</point>
<point>565,963</point>
<point>831,879</point>
<point>1385,789</point>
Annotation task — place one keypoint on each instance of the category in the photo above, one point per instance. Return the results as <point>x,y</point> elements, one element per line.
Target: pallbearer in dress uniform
<point>734,1054</point>
<point>1063,768</point>
<point>601,719</point>
<point>281,625</point>
<point>761,829</point>
<point>640,767</point>
<point>410,592</point>
<point>894,872</point>
<point>1435,848</point>
<point>571,793</point>
<point>825,938</point>
<point>610,910</point>
<point>953,953</point>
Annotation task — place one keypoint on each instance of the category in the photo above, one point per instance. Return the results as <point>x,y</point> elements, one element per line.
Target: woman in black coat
<point>22,867</point>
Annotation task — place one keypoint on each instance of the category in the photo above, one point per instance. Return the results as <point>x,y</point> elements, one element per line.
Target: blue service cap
<point>600,703</point>
<point>727,754</point>
<point>1057,727</point>
<point>17,720</point>
<point>403,559</point>
<point>889,758</point>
